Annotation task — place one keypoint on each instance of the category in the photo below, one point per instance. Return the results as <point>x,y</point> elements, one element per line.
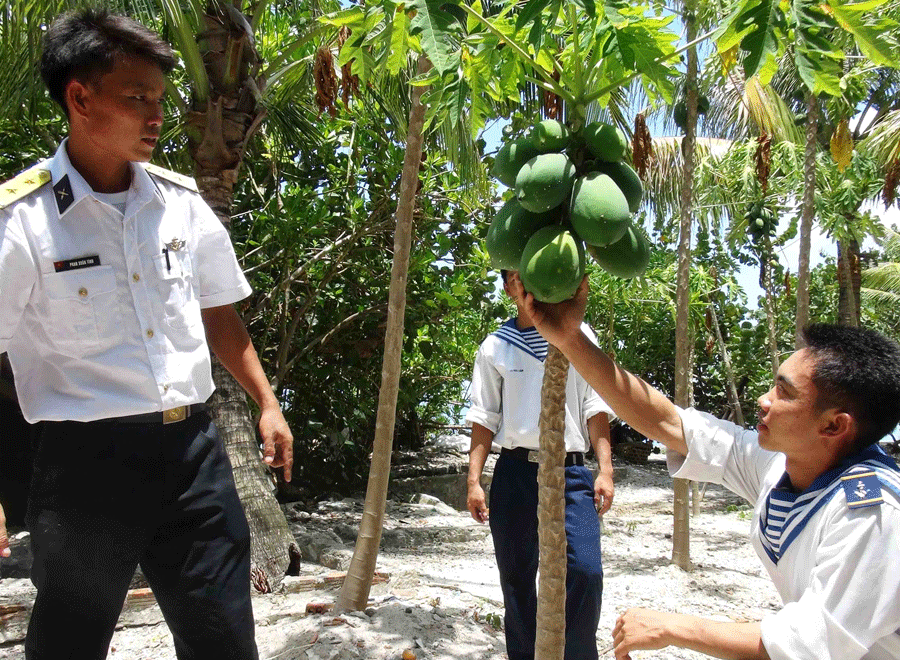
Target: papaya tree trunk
<point>729,371</point>
<point>807,213</point>
<point>550,642</point>
<point>355,590</point>
<point>681,554</point>
<point>771,312</point>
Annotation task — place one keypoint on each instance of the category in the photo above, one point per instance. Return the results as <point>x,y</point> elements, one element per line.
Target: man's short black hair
<point>857,370</point>
<point>83,45</point>
<point>504,274</point>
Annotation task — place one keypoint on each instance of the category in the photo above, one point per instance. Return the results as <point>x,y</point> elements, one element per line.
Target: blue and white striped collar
<point>786,513</point>
<point>528,340</point>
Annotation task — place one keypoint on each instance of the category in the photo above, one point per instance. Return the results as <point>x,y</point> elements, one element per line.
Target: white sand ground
<point>443,595</point>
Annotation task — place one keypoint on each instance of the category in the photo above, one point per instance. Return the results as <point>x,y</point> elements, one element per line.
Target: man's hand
<point>640,629</point>
<point>278,442</point>
<point>475,503</point>
<point>558,323</point>
<point>4,537</point>
<point>603,492</point>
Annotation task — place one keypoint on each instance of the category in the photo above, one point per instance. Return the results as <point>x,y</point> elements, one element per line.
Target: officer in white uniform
<point>826,498</point>
<point>505,408</point>
<point>116,279</point>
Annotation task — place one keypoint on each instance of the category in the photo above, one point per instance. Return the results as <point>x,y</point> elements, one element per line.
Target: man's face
<point>122,110</point>
<point>788,417</point>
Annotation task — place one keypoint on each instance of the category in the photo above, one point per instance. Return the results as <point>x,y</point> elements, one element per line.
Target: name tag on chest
<point>75,264</point>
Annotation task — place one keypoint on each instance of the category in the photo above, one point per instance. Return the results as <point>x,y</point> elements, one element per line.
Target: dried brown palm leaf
<point>763,159</point>
<point>326,81</point>
<point>641,147</point>
<point>891,179</point>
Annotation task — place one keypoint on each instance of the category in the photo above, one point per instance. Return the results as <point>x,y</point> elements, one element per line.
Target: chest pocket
<point>83,310</point>
<point>175,279</point>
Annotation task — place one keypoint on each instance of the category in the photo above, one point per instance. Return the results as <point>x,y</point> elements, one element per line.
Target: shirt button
<point>83,292</point>
<point>136,277</point>
<point>150,334</point>
<point>165,388</point>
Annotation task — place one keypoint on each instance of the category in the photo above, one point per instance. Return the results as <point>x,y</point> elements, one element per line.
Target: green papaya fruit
<point>509,232</point>
<point>544,182</point>
<point>605,142</point>
<point>627,180</point>
<point>510,158</point>
<point>552,264</point>
<point>550,135</point>
<point>599,211</point>
<point>702,105</point>
<point>626,258</point>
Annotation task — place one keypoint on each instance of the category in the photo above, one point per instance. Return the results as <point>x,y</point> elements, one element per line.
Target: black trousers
<point>108,496</point>
<point>514,528</point>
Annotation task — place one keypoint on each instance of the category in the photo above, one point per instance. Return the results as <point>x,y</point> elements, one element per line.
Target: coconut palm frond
<point>883,141</point>
<point>884,278</point>
<point>880,298</point>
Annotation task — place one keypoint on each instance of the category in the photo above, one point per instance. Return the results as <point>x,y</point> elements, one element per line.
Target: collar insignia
<point>62,190</point>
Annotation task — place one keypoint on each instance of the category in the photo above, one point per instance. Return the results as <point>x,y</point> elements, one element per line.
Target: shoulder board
<point>862,487</point>
<point>23,184</point>
<point>172,177</point>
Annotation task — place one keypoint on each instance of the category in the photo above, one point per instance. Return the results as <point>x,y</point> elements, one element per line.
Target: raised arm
<point>637,403</point>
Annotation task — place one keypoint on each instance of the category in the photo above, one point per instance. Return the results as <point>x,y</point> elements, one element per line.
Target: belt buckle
<point>533,455</point>
<point>174,414</point>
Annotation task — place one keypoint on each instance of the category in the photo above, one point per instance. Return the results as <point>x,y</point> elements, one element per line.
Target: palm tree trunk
<point>681,555</point>
<point>806,218</point>
<point>729,371</point>
<point>355,590</point>
<point>272,545</point>
<point>550,642</point>
<point>849,281</point>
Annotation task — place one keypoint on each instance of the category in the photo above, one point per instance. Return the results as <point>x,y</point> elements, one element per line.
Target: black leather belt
<point>165,417</point>
<point>531,455</point>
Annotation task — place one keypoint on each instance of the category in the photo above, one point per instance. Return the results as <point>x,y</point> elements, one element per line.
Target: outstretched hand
<point>558,323</point>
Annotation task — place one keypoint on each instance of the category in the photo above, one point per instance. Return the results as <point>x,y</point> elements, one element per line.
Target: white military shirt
<point>100,311</point>
<point>506,391</point>
<point>834,565</point>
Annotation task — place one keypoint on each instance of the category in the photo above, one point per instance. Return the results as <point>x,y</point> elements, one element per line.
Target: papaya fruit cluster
<point>679,110</point>
<point>571,190</point>
<point>761,221</point>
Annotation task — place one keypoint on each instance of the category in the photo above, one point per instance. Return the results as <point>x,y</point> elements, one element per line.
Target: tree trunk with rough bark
<point>768,285</point>
<point>807,213</point>
<point>681,554</point>
<point>218,132</point>
<point>550,642</point>
<point>850,281</point>
<point>355,590</point>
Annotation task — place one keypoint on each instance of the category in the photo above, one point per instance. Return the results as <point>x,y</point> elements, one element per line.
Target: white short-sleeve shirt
<point>100,310</point>
<point>505,395</point>
<point>838,571</point>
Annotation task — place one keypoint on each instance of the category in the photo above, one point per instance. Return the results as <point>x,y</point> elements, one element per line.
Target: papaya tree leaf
<point>871,31</point>
<point>531,11</point>
<point>438,31</point>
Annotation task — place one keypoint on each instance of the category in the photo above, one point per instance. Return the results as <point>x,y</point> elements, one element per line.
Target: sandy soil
<point>443,601</point>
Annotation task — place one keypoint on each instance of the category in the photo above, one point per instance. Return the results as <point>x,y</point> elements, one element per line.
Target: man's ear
<point>77,98</point>
<point>838,425</point>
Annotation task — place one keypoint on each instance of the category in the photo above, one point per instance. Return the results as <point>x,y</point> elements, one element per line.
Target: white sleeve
<point>217,274</point>
<point>486,393</point>
<point>592,403</point>
<point>18,274</point>
<point>852,599</point>
<point>721,452</point>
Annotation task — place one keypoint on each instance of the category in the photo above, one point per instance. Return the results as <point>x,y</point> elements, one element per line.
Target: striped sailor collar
<point>527,340</point>
<point>860,476</point>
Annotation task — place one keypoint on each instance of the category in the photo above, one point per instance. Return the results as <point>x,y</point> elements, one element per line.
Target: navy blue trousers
<point>106,497</point>
<point>513,519</point>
